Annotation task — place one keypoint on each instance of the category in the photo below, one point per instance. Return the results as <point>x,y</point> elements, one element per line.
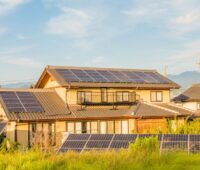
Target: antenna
<point>166,70</point>
<point>198,64</point>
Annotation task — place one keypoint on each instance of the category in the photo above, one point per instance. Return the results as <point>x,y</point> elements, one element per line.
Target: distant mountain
<point>18,85</point>
<point>186,79</point>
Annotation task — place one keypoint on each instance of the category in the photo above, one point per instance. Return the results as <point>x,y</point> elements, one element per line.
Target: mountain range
<point>185,79</point>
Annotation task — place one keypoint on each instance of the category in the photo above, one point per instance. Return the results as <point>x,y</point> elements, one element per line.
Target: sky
<point>144,34</point>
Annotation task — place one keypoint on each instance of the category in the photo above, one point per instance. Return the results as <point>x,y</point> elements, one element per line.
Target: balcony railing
<point>111,98</point>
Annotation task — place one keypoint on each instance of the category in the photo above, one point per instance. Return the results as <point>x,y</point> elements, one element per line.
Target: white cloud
<point>9,5</point>
<point>177,17</point>
<point>20,61</point>
<point>189,18</point>
<point>3,30</point>
<point>71,22</point>
<point>21,37</point>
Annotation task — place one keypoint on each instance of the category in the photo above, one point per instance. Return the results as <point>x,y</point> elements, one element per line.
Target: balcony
<point>111,98</point>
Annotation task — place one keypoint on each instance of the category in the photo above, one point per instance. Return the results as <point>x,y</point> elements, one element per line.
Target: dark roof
<point>121,78</point>
<point>191,94</point>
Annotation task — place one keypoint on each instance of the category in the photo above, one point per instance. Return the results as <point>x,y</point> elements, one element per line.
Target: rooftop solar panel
<point>111,76</point>
<point>20,102</point>
<point>12,102</point>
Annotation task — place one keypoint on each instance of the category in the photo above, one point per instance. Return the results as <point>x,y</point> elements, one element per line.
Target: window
<point>156,96</point>
<point>104,97</point>
<point>84,97</point>
<point>103,127</point>
<point>122,96</point>
<point>198,106</point>
<point>124,127</point>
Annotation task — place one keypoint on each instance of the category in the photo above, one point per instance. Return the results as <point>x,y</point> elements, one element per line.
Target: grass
<point>144,154</point>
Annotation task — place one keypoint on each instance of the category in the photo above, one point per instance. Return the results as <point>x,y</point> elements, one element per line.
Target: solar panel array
<point>21,102</point>
<point>110,76</point>
<point>168,142</point>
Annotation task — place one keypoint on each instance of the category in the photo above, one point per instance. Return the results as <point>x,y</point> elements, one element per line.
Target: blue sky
<point>149,34</point>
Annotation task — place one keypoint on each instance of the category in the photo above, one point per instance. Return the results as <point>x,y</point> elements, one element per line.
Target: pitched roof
<point>191,94</point>
<point>52,104</point>
<point>55,109</point>
<point>134,78</point>
<point>139,110</point>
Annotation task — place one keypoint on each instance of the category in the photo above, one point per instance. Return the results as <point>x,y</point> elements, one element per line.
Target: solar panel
<point>12,102</point>
<point>21,102</point>
<point>103,142</point>
<point>68,75</point>
<point>98,144</point>
<point>84,77</point>
<point>29,102</point>
<point>125,137</point>
<point>111,76</point>
<point>96,76</point>
<point>119,144</point>
<point>78,137</point>
<point>175,137</point>
<point>101,137</point>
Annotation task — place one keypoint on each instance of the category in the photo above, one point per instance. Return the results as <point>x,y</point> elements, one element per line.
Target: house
<point>89,100</point>
<point>190,98</point>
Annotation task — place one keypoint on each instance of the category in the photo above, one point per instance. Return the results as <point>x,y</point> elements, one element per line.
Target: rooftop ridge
<point>26,90</point>
<point>172,104</point>
<point>99,68</point>
<point>160,107</point>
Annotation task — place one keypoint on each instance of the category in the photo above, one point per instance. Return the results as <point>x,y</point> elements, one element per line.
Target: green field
<point>144,154</point>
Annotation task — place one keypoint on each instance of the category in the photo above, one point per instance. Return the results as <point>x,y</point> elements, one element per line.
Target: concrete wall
<point>190,105</point>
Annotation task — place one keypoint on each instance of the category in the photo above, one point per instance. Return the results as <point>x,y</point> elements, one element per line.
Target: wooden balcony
<point>111,98</point>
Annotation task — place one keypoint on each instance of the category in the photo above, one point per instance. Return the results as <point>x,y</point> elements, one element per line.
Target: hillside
<point>186,79</point>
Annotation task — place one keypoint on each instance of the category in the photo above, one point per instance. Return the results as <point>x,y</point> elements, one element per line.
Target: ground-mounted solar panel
<point>78,137</point>
<point>194,143</point>
<point>92,144</point>
<point>175,137</point>
<point>175,145</point>
<point>125,137</point>
<point>119,144</point>
<point>101,137</point>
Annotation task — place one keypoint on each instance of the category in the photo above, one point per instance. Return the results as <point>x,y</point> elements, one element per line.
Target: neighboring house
<point>89,100</point>
<point>190,98</point>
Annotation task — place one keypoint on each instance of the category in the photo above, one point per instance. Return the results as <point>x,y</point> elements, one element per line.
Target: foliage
<point>141,155</point>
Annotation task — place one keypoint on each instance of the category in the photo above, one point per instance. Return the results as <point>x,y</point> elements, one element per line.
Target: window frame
<point>83,101</point>
<point>122,96</point>
<point>156,97</point>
